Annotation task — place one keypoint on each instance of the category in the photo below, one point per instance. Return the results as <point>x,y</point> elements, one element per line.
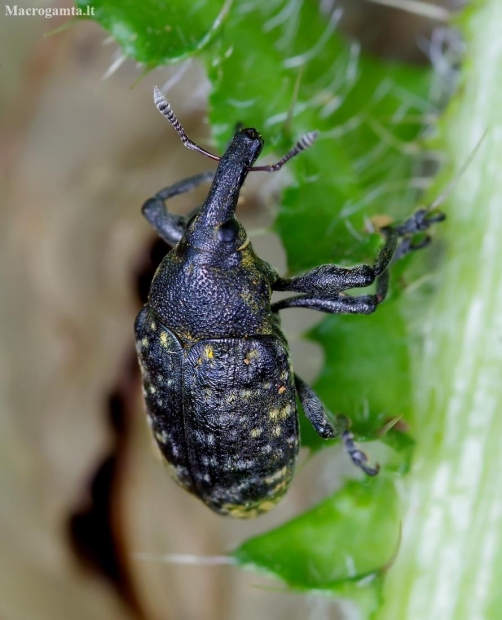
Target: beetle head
<point>219,240</point>
<point>215,228</point>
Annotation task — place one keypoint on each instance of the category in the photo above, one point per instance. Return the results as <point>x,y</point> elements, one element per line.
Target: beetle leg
<point>338,303</point>
<point>171,226</point>
<point>329,280</point>
<point>420,221</point>
<point>357,456</point>
<point>316,414</point>
<point>314,410</point>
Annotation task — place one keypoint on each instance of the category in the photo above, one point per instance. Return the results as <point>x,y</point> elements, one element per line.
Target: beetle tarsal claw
<point>357,456</point>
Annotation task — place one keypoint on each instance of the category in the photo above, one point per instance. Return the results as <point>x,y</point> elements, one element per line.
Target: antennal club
<point>165,109</point>
<point>305,142</point>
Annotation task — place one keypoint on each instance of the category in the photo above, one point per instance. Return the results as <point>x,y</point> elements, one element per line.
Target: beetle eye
<point>228,231</point>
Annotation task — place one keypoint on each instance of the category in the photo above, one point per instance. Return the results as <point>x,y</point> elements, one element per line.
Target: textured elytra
<point>161,357</point>
<point>223,413</point>
<point>242,426</point>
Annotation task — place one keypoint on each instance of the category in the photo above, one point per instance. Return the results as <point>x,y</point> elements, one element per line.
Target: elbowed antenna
<point>165,109</point>
<point>305,142</point>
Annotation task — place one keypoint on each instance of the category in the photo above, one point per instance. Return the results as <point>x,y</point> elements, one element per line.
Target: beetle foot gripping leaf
<point>418,223</point>
<point>358,457</point>
<point>218,382</point>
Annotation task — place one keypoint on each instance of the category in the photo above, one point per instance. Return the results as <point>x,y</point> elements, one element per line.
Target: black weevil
<point>219,387</point>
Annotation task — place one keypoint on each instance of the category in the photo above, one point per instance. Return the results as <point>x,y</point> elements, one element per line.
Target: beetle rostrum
<point>218,382</point>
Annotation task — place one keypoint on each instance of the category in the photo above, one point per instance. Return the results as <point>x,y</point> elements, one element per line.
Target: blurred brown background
<point>82,492</point>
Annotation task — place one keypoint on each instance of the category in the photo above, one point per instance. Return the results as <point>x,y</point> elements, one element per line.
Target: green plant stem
<point>450,561</point>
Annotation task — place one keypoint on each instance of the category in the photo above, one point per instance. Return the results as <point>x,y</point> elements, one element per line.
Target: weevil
<point>218,382</point>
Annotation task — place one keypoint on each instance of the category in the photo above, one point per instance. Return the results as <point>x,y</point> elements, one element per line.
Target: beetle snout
<point>253,134</point>
<point>252,142</point>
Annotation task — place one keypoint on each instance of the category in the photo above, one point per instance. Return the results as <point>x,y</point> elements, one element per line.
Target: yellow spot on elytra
<point>277,475</point>
<point>163,339</point>
<point>161,437</point>
<point>281,486</point>
<point>245,511</point>
<point>285,411</point>
<point>256,432</point>
<point>152,390</point>
<point>153,326</point>
<point>208,352</point>
<point>273,414</point>
<point>281,389</point>
<point>231,398</point>
<point>246,393</point>
<point>251,355</point>
<point>266,506</point>
<point>277,430</point>
<point>144,342</point>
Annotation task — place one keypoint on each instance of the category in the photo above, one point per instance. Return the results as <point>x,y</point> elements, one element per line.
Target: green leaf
<point>368,368</point>
<point>342,546</point>
<point>158,32</point>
